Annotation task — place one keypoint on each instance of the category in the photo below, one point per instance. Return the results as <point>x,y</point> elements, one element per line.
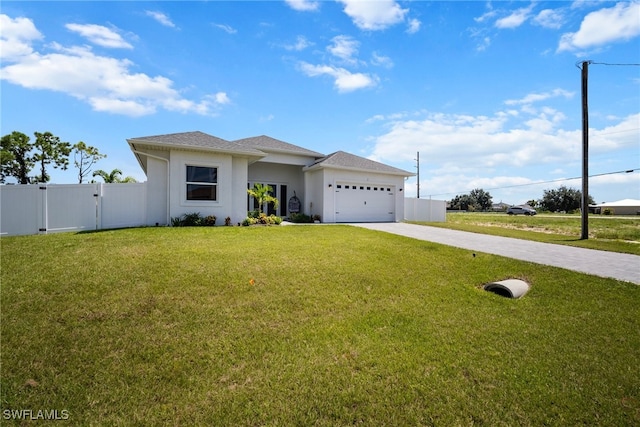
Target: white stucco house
<point>196,172</point>
<point>619,207</point>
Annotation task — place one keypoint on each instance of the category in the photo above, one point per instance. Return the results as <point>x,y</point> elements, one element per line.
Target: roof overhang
<point>138,147</point>
<point>319,166</point>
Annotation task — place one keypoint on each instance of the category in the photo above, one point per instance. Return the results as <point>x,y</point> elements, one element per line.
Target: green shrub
<point>262,218</point>
<point>607,211</point>
<point>300,218</point>
<point>193,220</point>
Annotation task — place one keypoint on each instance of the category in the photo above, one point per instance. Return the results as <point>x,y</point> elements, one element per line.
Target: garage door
<point>364,202</point>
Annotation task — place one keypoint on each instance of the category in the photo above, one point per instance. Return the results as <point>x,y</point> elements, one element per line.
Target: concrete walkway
<point>598,263</point>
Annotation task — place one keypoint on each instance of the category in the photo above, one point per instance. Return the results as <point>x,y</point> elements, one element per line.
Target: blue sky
<point>487,92</point>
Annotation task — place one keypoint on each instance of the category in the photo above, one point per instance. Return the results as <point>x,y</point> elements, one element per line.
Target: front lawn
<point>306,325</point>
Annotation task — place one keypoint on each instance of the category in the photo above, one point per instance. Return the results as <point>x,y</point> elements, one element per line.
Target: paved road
<point>598,263</point>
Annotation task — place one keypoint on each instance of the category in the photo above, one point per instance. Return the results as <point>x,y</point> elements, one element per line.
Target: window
<point>202,183</point>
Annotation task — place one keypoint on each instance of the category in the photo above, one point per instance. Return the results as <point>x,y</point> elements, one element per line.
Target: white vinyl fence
<point>41,209</point>
<point>425,210</point>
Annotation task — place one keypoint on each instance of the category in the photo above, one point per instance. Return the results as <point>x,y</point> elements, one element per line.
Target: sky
<point>487,92</point>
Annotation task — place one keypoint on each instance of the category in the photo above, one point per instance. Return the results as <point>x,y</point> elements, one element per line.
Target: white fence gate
<point>34,209</point>
<point>425,210</point>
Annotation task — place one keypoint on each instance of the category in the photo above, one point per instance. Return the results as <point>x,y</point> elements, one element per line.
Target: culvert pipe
<point>510,288</point>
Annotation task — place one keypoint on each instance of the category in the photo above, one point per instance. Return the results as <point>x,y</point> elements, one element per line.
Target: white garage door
<point>365,202</point>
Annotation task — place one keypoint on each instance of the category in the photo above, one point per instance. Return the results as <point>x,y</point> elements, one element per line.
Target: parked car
<point>525,210</point>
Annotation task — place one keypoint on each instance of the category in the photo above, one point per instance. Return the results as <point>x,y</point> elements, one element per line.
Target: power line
<point>605,63</point>
<point>619,65</point>
<point>541,182</point>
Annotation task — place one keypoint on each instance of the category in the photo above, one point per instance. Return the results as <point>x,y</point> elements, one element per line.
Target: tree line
<point>562,199</point>
<point>19,157</point>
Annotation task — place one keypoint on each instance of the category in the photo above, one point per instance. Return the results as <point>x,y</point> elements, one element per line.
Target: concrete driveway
<point>615,265</point>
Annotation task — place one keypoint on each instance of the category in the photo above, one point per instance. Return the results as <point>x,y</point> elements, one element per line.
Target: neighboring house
<point>500,207</point>
<point>196,172</point>
<point>621,207</point>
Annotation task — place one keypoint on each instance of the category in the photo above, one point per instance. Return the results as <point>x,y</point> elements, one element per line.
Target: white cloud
<point>486,16</point>
<point>221,98</point>
<point>100,35</point>
<point>105,83</point>
<point>344,47</point>
<point>344,80</point>
<point>623,133</point>
<point>380,60</point>
<point>607,25</point>
<point>484,44</point>
<point>161,18</point>
<point>414,26</point>
<point>537,97</point>
<point>374,15</point>
<point>303,5</point>
<point>226,28</point>
<point>549,18</point>
<point>516,18</point>
<point>127,108</point>
<point>16,37</point>
<point>454,140</point>
<point>462,152</point>
<point>301,44</point>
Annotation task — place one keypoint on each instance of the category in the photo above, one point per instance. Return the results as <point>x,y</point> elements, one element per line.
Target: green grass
<point>342,326</point>
<point>614,234</point>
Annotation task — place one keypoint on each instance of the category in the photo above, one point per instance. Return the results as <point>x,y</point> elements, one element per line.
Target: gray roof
<point>194,140</point>
<point>343,160</point>
<point>268,144</point>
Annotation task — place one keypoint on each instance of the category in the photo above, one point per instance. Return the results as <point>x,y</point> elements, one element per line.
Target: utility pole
<point>418,167</point>
<point>585,152</point>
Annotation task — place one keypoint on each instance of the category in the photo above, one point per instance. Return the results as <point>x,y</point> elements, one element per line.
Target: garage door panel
<point>364,202</point>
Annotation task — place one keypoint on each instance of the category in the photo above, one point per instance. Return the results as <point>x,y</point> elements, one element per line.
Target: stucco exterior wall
<point>272,173</point>
<point>157,194</point>
<point>179,205</point>
<point>239,190</point>
<point>313,203</point>
<point>279,174</point>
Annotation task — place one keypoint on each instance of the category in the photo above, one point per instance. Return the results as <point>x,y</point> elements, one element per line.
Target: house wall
<point>272,173</point>
<point>239,189</point>
<point>315,195</point>
<point>157,189</point>
<point>619,210</point>
<point>221,208</point>
<point>287,159</point>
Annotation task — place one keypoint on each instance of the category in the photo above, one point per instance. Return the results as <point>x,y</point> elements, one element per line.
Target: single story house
<point>196,172</point>
<point>620,207</point>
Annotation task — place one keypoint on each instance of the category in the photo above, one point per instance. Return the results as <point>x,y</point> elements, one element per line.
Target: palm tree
<point>113,177</point>
<point>262,194</point>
